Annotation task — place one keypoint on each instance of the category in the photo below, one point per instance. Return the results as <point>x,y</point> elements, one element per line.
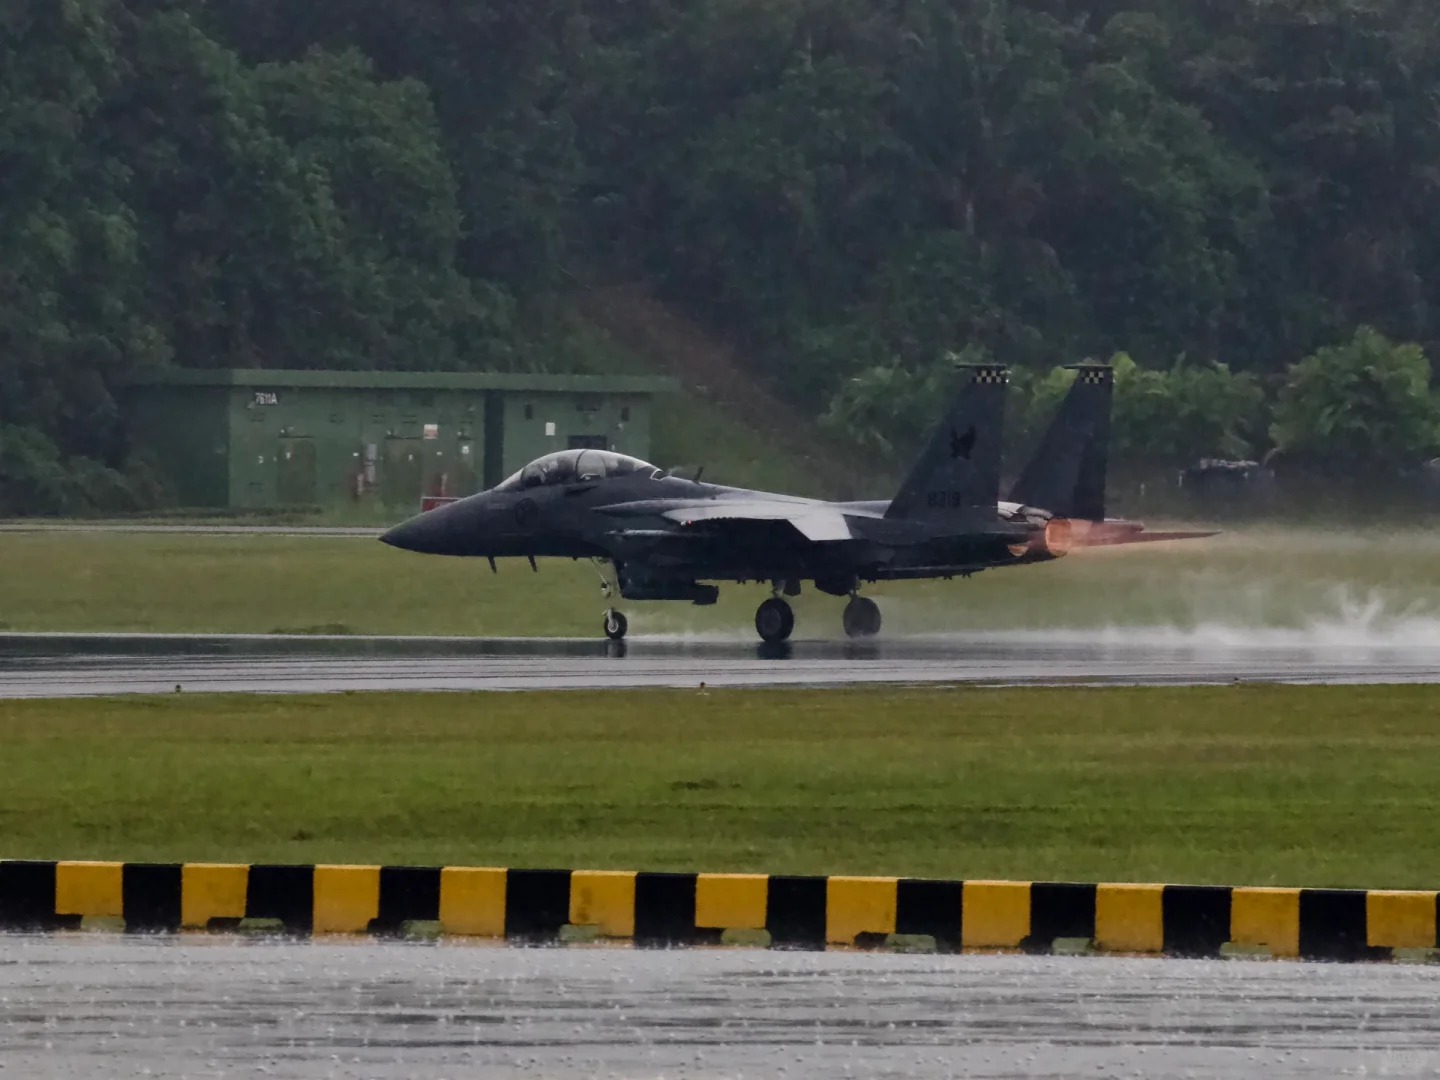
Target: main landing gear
<point>774,620</point>
<point>861,617</point>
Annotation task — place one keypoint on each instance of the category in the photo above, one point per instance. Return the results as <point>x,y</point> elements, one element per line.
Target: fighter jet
<point>658,536</point>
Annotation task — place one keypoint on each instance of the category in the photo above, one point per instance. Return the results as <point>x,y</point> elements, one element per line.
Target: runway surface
<point>41,525</point>
<point>97,1006</point>
<point>67,665</point>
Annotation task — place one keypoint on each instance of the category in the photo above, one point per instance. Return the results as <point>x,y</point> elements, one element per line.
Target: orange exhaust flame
<point>1113,533</point>
<point>1054,541</point>
<point>1063,535</point>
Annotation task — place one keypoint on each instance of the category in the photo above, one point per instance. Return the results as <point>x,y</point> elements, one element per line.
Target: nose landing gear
<point>861,617</point>
<point>615,624</point>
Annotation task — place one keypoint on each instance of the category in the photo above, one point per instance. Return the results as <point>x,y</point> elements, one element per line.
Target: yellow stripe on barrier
<point>1130,918</point>
<point>731,901</point>
<point>472,901</point>
<point>90,889</point>
<point>1400,920</point>
<point>859,905</point>
<point>995,914</point>
<point>604,899</point>
<point>347,898</point>
<point>212,891</point>
<point>1268,918</point>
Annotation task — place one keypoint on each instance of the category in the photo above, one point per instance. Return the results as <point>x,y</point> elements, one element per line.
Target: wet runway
<point>33,526</point>
<point>96,1006</point>
<point>67,665</point>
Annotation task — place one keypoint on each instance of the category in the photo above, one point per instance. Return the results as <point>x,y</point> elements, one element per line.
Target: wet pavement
<point>68,665</point>
<point>98,1006</point>
<point>41,525</point>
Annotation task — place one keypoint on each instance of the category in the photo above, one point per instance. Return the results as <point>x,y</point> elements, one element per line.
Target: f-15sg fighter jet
<point>658,536</point>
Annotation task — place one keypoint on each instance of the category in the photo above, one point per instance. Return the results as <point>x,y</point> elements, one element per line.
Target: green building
<point>255,438</point>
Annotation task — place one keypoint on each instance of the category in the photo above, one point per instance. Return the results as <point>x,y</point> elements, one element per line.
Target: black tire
<point>615,624</point>
<point>774,620</point>
<point>862,617</point>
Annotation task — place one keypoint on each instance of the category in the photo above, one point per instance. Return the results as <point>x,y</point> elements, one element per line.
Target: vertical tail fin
<point>1067,474</point>
<point>957,477</point>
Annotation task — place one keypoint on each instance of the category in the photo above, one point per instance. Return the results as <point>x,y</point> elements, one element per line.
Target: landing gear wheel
<point>862,617</point>
<point>615,624</point>
<point>774,620</point>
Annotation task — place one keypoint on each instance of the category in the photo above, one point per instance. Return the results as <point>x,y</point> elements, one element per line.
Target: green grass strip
<point>1233,785</point>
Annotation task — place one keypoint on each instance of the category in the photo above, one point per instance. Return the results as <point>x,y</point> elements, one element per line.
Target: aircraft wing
<point>810,520</point>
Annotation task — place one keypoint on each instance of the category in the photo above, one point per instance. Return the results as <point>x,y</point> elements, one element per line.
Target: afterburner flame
<point>1059,536</point>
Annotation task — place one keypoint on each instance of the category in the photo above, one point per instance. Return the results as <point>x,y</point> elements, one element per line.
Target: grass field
<point>1238,785</point>
<point>1385,582</point>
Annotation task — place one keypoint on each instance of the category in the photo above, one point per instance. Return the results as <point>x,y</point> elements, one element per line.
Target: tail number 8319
<point>945,500</point>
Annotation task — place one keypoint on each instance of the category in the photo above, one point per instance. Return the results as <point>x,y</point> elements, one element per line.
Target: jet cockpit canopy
<point>573,467</point>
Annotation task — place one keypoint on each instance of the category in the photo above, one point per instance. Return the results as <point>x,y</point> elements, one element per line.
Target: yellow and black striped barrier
<point>696,909</point>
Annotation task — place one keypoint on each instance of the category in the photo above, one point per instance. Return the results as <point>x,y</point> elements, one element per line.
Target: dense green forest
<point>852,192</point>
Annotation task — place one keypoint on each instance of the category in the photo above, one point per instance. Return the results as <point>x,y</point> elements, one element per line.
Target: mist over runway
<point>1354,651</point>
<point>89,1005</point>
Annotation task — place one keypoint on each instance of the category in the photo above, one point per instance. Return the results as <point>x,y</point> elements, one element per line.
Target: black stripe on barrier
<point>286,893</point>
<point>150,897</point>
<point>27,897</point>
<point>1195,919</point>
<point>664,909</point>
<point>795,911</point>
<point>407,894</point>
<point>537,904</point>
<point>1060,910</point>
<point>931,907</point>
<point>1333,925</point>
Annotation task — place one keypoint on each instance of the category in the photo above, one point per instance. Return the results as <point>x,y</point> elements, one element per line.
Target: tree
<point>1162,418</point>
<point>889,409</point>
<point>1334,100</point>
<point>1191,411</point>
<point>70,277</point>
<point>388,194</point>
<point>296,214</point>
<point>850,192</point>
<point>1363,406</point>
<point>500,75</point>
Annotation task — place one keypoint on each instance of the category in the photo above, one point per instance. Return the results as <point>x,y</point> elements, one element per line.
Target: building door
<point>466,480</point>
<point>295,472</point>
<point>402,472</point>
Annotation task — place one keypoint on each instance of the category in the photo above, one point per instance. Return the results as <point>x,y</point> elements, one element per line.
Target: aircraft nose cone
<point>407,536</point>
<point>431,533</point>
<point>459,528</point>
